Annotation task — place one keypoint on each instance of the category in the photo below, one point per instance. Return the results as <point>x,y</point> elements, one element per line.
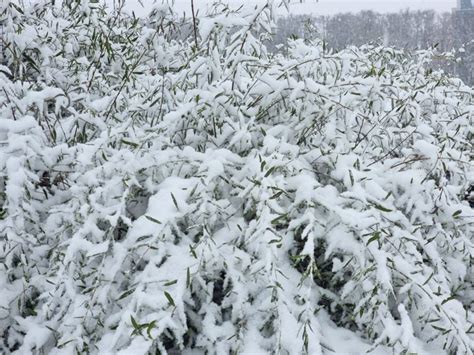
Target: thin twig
<point>194,24</point>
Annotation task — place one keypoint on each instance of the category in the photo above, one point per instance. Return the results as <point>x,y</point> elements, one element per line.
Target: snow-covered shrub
<point>162,194</point>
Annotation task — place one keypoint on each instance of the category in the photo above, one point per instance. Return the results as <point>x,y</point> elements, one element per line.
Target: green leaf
<point>193,252</point>
<point>277,220</point>
<point>278,194</point>
<point>428,279</point>
<point>154,220</point>
<point>31,61</point>
<point>172,282</point>
<point>174,201</point>
<point>134,145</point>
<point>274,241</point>
<point>357,164</point>
<point>170,299</point>
<point>188,278</point>
<point>62,345</point>
<point>375,236</point>
<point>269,171</point>
<point>17,8</point>
<point>439,328</point>
<point>381,208</point>
<point>149,328</point>
<point>448,299</point>
<point>126,294</point>
<point>137,328</point>
<point>457,214</point>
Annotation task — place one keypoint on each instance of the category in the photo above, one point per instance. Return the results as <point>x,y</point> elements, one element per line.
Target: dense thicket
<point>164,195</point>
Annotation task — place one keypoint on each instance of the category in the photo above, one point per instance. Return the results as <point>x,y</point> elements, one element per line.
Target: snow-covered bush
<point>163,194</point>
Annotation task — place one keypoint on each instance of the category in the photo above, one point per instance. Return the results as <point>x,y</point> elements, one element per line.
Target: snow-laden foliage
<point>165,194</point>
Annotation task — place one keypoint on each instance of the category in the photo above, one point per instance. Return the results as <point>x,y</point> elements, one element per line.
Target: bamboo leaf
<point>174,201</point>
<point>375,237</point>
<point>154,220</point>
<point>382,208</point>
<point>170,299</point>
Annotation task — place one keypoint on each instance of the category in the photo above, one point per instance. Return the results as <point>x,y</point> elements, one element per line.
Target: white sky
<point>325,7</point>
<point>334,6</point>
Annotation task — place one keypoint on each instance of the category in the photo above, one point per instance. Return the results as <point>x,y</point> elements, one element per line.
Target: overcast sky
<point>334,6</point>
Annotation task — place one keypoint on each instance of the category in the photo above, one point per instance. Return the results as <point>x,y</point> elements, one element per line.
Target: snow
<point>342,341</point>
<point>158,196</point>
<point>428,150</point>
<point>36,335</point>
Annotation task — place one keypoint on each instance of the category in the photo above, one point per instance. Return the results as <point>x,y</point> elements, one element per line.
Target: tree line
<point>449,32</point>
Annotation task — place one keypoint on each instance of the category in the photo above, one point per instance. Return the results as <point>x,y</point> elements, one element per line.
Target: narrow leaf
<point>170,299</point>
<point>154,220</point>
